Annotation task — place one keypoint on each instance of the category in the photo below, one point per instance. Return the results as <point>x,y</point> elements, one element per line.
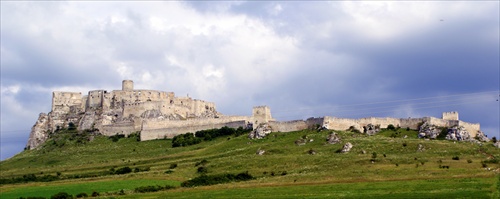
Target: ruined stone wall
<point>295,125</point>
<point>94,100</point>
<point>124,128</point>
<point>344,123</point>
<point>67,102</point>
<point>472,128</point>
<point>151,131</point>
<point>335,123</point>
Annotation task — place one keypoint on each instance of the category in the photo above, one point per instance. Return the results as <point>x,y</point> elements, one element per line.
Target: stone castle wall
<point>66,101</point>
<point>159,129</point>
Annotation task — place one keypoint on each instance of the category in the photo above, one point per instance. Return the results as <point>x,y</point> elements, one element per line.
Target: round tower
<point>127,85</point>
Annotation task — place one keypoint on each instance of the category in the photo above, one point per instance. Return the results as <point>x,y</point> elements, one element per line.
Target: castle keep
<point>160,114</point>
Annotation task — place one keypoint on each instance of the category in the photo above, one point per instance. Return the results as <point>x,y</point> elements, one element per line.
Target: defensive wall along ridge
<point>161,114</point>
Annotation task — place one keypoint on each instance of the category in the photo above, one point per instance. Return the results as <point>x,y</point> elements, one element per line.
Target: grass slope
<point>389,167</point>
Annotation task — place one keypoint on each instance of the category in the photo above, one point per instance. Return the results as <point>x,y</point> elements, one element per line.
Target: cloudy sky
<point>303,59</point>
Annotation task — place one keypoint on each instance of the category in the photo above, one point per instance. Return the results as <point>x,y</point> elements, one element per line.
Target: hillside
<point>384,165</point>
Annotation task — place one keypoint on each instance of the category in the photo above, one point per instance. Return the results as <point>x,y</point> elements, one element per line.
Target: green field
<point>377,166</point>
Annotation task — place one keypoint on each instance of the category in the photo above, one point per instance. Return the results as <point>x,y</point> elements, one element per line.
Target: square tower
<point>450,115</point>
<point>261,114</point>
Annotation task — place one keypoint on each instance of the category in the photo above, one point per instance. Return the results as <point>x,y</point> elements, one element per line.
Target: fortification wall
<point>178,128</point>
<point>472,128</point>
<point>165,123</point>
<point>437,121</point>
<point>335,123</point>
<point>295,125</point>
<point>125,128</point>
<point>67,102</point>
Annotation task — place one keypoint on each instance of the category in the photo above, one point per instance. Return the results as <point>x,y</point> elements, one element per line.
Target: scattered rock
<point>260,152</point>
<point>428,131</point>
<point>300,142</point>
<point>346,148</point>
<point>420,148</point>
<point>333,138</point>
<point>260,132</point>
<point>363,152</point>
<point>406,136</point>
<point>497,144</point>
<point>311,152</point>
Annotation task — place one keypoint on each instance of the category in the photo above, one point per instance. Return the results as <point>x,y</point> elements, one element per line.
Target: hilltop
<point>392,163</point>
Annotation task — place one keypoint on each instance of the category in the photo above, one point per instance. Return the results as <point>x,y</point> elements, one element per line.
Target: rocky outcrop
<point>333,138</point>
<point>458,133</point>
<point>482,137</point>
<point>371,129</point>
<point>496,144</point>
<point>260,132</point>
<point>428,131</point>
<point>346,148</point>
<point>39,132</point>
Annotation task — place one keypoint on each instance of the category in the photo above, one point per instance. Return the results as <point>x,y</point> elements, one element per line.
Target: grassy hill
<point>386,165</point>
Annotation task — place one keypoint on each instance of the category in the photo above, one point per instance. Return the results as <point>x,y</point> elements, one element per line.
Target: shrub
<point>455,158</point>
<point>391,127</point>
<point>494,139</point>
<point>204,180</point>
<point>61,195</point>
<point>404,144</point>
<point>374,155</point>
<point>202,169</point>
<point>145,189</point>
<point>185,140</point>
<point>173,166</point>
<point>116,137</point>
<point>123,170</point>
<point>469,161</point>
<point>82,195</point>
<point>95,194</point>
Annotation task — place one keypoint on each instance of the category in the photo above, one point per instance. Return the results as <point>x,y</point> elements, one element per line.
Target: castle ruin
<point>160,114</point>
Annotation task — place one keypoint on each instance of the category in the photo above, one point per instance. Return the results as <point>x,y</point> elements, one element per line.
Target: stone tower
<point>127,85</point>
<point>261,114</point>
<point>450,115</point>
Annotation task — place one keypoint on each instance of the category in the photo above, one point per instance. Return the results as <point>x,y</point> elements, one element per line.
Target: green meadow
<point>386,165</point>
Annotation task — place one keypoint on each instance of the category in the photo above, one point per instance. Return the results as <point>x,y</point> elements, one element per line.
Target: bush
<point>391,127</point>
<point>469,161</point>
<point>61,195</point>
<point>95,194</point>
<point>146,189</point>
<point>82,195</point>
<point>202,169</point>
<point>455,158</point>
<point>123,170</point>
<point>204,180</point>
<point>173,166</point>
<point>116,137</point>
<point>494,139</point>
<point>185,140</point>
